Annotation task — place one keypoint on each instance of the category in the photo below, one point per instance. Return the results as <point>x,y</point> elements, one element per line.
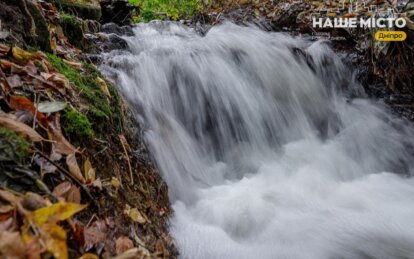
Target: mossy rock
<point>19,17</point>
<point>81,8</point>
<point>13,148</point>
<point>76,125</point>
<point>103,113</point>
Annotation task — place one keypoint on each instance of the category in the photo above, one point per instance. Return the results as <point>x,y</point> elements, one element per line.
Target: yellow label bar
<point>390,36</point>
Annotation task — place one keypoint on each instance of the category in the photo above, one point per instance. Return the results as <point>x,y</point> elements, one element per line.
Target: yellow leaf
<point>21,56</point>
<point>104,86</point>
<point>115,182</point>
<point>89,256</point>
<point>54,238</point>
<point>136,216</point>
<point>90,175</point>
<point>56,212</point>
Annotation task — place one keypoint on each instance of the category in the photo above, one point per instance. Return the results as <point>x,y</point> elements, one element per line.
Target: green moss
<point>102,112</point>
<point>72,28</point>
<point>76,124</point>
<point>12,147</point>
<point>166,9</point>
<point>82,9</point>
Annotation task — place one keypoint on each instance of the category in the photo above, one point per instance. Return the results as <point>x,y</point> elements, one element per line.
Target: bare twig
<point>67,174</point>
<point>122,139</point>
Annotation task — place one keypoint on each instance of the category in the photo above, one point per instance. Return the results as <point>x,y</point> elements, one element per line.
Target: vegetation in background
<point>166,9</point>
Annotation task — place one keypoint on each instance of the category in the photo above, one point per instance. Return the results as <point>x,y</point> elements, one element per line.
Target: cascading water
<point>265,149</point>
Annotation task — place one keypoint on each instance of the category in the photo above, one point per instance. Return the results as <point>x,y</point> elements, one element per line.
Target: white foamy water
<point>265,153</point>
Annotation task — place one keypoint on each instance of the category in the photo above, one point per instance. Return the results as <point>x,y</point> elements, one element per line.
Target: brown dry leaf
<point>123,244</point>
<point>90,174</point>
<point>97,184</point>
<point>76,65</point>
<point>62,189</point>
<point>7,224</point>
<point>60,146</point>
<point>95,235</point>
<point>4,49</point>
<point>22,103</point>
<point>34,249</point>
<point>21,56</point>
<point>20,128</point>
<point>67,192</point>
<point>135,253</point>
<point>33,201</point>
<point>104,86</point>
<point>74,195</point>
<point>11,245</point>
<point>14,81</point>
<point>74,167</point>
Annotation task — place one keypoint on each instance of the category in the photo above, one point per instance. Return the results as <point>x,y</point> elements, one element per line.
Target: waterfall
<point>269,147</point>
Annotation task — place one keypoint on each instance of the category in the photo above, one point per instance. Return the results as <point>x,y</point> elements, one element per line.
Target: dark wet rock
<point>117,11</point>
<point>25,23</point>
<point>118,30</point>
<point>81,10</point>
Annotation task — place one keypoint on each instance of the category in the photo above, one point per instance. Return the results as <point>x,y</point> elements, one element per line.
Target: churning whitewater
<point>268,145</point>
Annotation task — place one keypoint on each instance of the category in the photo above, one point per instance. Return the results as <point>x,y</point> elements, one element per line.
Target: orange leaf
<point>22,103</point>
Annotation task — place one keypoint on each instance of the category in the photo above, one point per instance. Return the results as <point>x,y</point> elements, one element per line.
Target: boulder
<point>117,11</point>
<point>85,9</point>
<point>25,22</point>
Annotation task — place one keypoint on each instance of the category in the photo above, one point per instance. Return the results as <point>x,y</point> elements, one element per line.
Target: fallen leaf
<point>74,167</point>
<point>135,253</point>
<point>90,174</point>
<point>6,224</point>
<point>33,201</point>
<point>115,182</point>
<point>62,189</point>
<point>123,244</point>
<point>97,184</point>
<point>49,107</point>
<point>14,81</point>
<point>135,215</point>
<point>34,249</point>
<point>22,103</point>
<point>54,213</point>
<point>104,86</point>
<point>76,65</point>
<point>67,192</point>
<point>44,164</point>
<point>95,235</point>
<point>60,145</point>
<point>74,195</point>
<point>54,238</point>
<point>21,56</point>
<point>11,245</point>
<point>89,256</point>
<point>20,128</point>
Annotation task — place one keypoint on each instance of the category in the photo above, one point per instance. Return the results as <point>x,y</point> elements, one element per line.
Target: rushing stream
<point>268,146</point>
